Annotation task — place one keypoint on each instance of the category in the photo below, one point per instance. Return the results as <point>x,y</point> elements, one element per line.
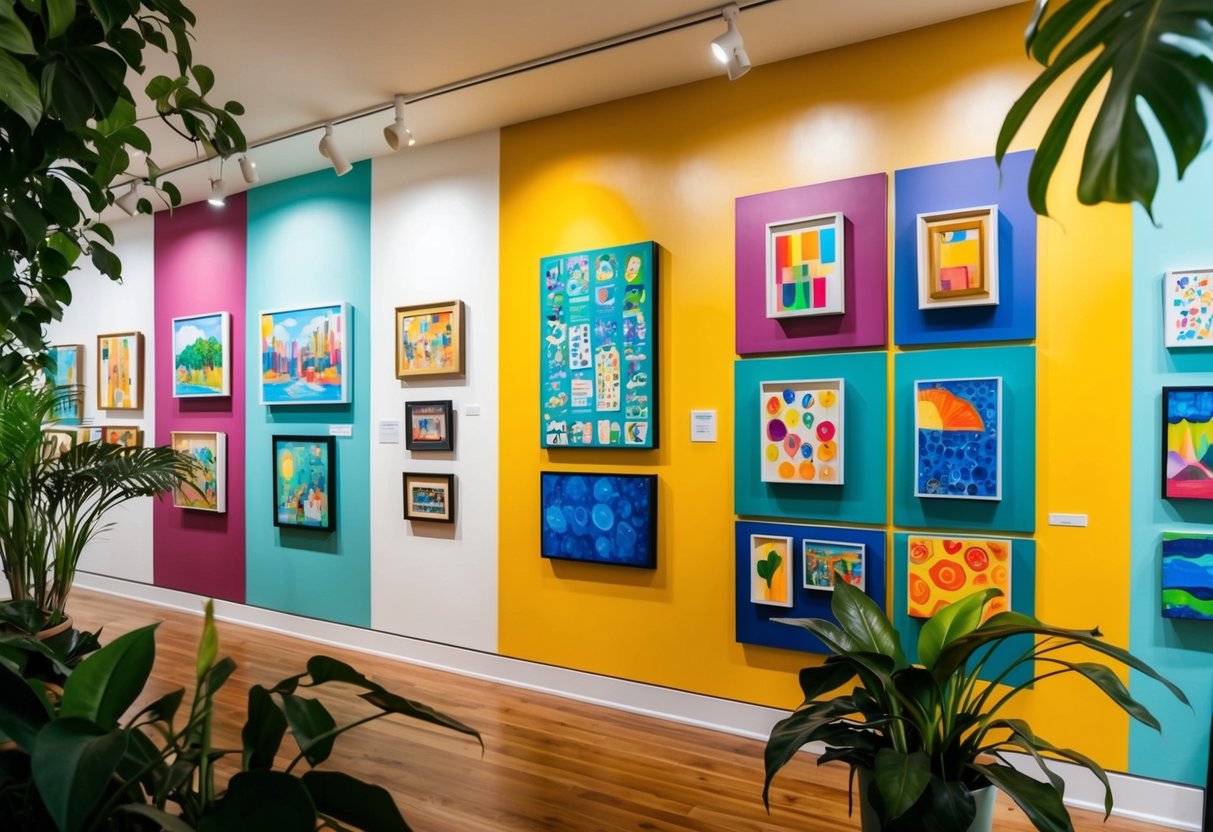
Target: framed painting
<point>597,347</point>
<point>305,482</point>
<point>801,437</point>
<point>1187,443</point>
<point>56,441</point>
<point>207,491</point>
<point>429,497</point>
<point>120,371</point>
<point>599,518</point>
<point>806,267</point>
<point>69,402</point>
<point>829,561</point>
<point>1188,308</point>
<point>958,427</point>
<point>771,570</point>
<point>89,434</point>
<point>128,436</point>
<point>958,258</point>
<point>305,355</point>
<point>429,426</point>
<point>1187,575</point>
<point>202,356</point>
<point>942,570</point>
<point>429,340</point>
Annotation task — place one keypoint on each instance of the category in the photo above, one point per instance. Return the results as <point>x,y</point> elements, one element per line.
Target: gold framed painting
<point>958,258</point>
<point>128,436</point>
<point>429,340</point>
<point>120,371</point>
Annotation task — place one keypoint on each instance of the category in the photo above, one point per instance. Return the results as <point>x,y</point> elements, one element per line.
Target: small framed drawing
<point>599,518</point>
<point>806,267</point>
<point>958,258</point>
<point>128,436</point>
<point>305,355</point>
<point>207,491</point>
<point>429,340</point>
<point>430,426</point>
<point>958,428</point>
<point>429,497</point>
<point>771,570</point>
<point>801,433</point>
<point>202,356</point>
<point>828,561</point>
<point>1187,443</point>
<point>1188,308</point>
<point>69,401</point>
<point>305,482</point>
<point>120,371</point>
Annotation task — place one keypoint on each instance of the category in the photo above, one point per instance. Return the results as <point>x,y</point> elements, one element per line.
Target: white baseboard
<point>1166,804</point>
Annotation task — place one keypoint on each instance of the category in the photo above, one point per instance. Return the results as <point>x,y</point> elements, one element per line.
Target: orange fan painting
<point>940,409</point>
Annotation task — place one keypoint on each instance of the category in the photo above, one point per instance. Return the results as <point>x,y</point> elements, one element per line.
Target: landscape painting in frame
<point>429,497</point>
<point>958,258</point>
<point>1188,308</point>
<point>771,570</point>
<point>943,570</point>
<point>802,431</point>
<point>304,487</point>
<point>69,400</point>
<point>1187,443</point>
<point>202,362</point>
<point>305,355</point>
<point>599,518</point>
<point>806,272</point>
<point>828,561</point>
<point>120,371</point>
<point>206,490</point>
<point>1187,575</point>
<point>958,430</point>
<point>429,340</point>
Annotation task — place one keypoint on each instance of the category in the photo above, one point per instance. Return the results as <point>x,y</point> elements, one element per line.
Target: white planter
<point>982,822</point>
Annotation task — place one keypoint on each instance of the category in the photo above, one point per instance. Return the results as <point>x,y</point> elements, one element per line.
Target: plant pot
<point>982,822</point>
<point>50,632</point>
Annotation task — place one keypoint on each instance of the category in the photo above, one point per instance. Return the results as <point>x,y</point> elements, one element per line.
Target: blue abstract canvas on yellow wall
<point>1187,575</point>
<point>958,427</point>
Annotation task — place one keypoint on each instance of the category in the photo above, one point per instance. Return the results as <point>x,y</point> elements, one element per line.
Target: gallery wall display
<point>598,348</point>
<point>429,497</point>
<point>958,258</point>
<point>943,570</point>
<point>771,570</point>
<point>802,431</point>
<point>429,340</point>
<point>202,355</point>
<point>305,355</point>
<point>69,404</point>
<point>429,426</point>
<point>1188,308</point>
<point>207,490</point>
<point>305,488</point>
<point>958,431</point>
<point>128,436</point>
<point>120,371</point>
<point>828,561</point>
<point>806,267</point>
<point>599,518</point>
<point>1187,443</point>
<point>1187,575</point>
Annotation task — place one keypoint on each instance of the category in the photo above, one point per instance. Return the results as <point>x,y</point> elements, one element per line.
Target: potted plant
<point>925,737</point>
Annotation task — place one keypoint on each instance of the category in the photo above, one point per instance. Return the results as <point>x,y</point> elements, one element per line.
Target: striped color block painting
<point>1187,576</point>
<point>805,270</point>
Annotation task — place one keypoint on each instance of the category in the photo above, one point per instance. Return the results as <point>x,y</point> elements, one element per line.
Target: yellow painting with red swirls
<point>946,569</point>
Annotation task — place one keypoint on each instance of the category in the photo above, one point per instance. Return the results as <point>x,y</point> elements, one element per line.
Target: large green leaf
<point>14,36</point>
<point>901,779</point>
<point>259,800</point>
<point>60,14</point>
<point>22,711</point>
<point>950,623</point>
<point>1102,677</point>
<point>791,733</point>
<point>1039,801</point>
<point>1024,737</point>
<point>865,622</point>
<point>263,730</point>
<point>309,721</point>
<point>349,800</point>
<point>108,682</point>
<point>73,761</point>
<point>815,681</point>
<point>395,704</point>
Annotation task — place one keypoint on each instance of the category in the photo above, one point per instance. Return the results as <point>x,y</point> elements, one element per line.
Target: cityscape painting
<point>305,355</point>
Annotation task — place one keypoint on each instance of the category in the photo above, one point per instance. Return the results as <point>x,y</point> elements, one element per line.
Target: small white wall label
<point>389,433</point>
<point>1067,519</point>
<point>703,425</point>
<point>341,430</point>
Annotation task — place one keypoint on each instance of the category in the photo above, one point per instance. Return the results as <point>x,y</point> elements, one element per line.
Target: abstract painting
<point>943,570</point>
<point>958,258</point>
<point>304,482</point>
<point>827,561</point>
<point>771,570</point>
<point>429,426</point>
<point>1187,443</point>
<point>1188,308</point>
<point>801,429</point>
<point>429,497</point>
<point>128,436</point>
<point>958,427</point>
<point>207,490</point>
<point>56,442</point>
<point>120,371</point>
<point>69,404</point>
<point>1187,575</point>
<point>305,355</point>
<point>202,356</point>
<point>600,518</point>
<point>429,340</point>
<point>806,271</point>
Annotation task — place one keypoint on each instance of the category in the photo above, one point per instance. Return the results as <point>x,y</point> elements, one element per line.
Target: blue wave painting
<point>601,518</point>
<point>1187,576</point>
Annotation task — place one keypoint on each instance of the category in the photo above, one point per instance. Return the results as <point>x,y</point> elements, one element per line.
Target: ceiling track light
<point>218,196</point>
<point>129,201</point>
<point>729,48</point>
<point>396,134</point>
<point>330,151</point>
<point>248,169</point>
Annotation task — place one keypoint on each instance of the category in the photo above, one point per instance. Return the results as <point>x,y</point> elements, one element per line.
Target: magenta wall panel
<point>200,268</point>
<point>863,201</point>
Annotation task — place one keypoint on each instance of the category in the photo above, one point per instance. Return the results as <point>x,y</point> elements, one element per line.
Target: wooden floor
<point>549,763</point>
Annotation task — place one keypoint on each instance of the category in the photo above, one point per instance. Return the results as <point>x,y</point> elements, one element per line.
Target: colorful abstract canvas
<point>771,570</point>
<point>601,518</point>
<point>805,267</point>
<point>802,431</point>
<point>69,403</point>
<point>305,355</point>
<point>128,436</point>
<point>1188,308</point>
<point>1187,575</point>
<point>304,486</point>
<point>120,371</point>
<point>943,570</point>
<point>429,340</point>
<point>958,258</point>
<point>1187,469</point>
<point>202,356</point>
<point>827,561</point>
<point>429,426</point>
<point>206,491</point>
<point>958,427</point>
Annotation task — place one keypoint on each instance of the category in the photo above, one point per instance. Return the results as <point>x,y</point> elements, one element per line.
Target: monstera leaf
<point>768,566</point>
<point>1152,52</point>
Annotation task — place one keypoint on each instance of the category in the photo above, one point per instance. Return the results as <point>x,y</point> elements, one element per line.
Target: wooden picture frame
<point>429,426</point>
<point>305,482</point>
<point>120,371</point>
<point>430,340</point>
<point>942,284</point>
<point>429,498</point>
<point>129,436</point>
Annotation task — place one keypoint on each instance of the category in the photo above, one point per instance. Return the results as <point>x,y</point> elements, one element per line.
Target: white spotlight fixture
<point>729,49</point>
<point>248,169</point>
<point>129,201</point>
<point>330,151</point>
<point>218,196</point>
<point>396,134</point>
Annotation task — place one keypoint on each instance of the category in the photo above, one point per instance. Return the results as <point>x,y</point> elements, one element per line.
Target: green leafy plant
<point>768,566</point>
<point>930,734</point>
<point>1152,52</point>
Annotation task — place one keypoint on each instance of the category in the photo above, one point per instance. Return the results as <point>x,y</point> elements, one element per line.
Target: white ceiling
<point>300,62</point>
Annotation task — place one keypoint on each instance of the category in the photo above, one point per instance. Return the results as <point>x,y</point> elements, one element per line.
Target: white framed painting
<point>207,489</point>
<point>801,431</point>
<point>202,356</point>
<point>1188,308</point>
<point>828,561</point>
<point>771,570</point>
<point>958,258</point>
<point>958,431</point>
<point>806,266</point>
<point>305,355</point>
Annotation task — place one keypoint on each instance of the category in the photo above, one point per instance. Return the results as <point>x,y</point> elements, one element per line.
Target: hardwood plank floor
<point>549,763</point>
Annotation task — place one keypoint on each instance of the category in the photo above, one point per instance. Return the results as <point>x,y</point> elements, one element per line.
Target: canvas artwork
<point>304,482</point>
<point>207,490</point>
<point>128,436</point>
<point>1188,308</point>
<point>802,431</point>
<point>806,272</point>
<point>958,258</point>
<point>305,355</point>
<point>1187,443</point>
<point>202,356</point>
<point>429,497</point>
<point>827,561</point>
<point>56,441</point>
<point>120,371</point>
<point>958,427</point>
<point>429,340</point>
<point>602,518</point>
<point>771,570</point>
<point>429,426</point>
<point>90,434</point>
<point>943,570</point>
<point>69,404</point>
<point>1187,575</point>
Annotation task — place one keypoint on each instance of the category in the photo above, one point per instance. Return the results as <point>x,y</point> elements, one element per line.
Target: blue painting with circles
<point>959,438</point>
<point>599,518</point>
